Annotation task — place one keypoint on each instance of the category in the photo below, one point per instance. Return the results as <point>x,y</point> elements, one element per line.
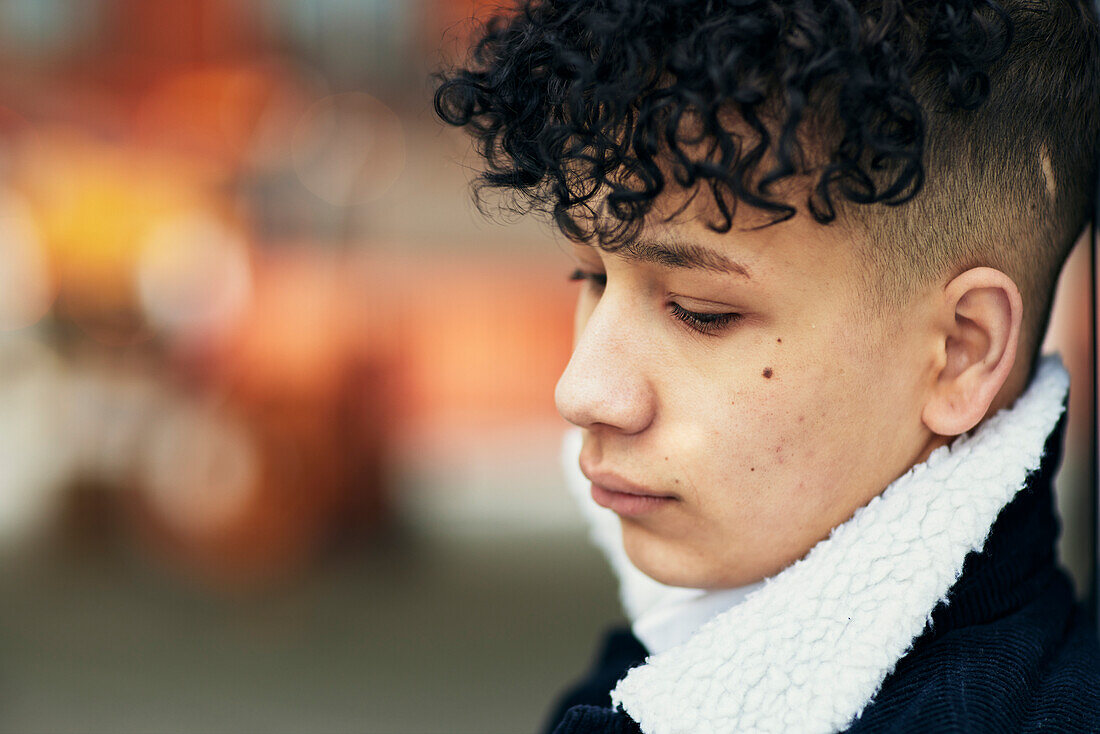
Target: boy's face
<point>761,435</point>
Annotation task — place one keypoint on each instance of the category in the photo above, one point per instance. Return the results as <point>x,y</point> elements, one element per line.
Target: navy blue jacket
<point>1011,651</point>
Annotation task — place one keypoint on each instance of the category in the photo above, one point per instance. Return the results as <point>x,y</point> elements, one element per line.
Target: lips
<point>622,503</point>
<point>623,496</point>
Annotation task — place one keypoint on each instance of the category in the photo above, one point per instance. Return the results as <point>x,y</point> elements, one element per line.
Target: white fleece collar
<point>807,651</point>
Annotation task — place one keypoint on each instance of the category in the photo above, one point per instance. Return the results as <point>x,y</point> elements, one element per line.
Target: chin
<point>671,565</point>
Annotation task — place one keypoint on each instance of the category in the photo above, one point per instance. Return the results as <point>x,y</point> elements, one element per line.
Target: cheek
<point>777,443</point>
<point>818,442</point>
<point>732,449</point>
<point>779,489</point>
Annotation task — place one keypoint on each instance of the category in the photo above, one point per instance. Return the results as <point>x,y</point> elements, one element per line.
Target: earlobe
<point>982,317</point>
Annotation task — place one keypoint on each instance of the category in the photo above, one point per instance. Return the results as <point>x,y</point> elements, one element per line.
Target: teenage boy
<point>818,241</point>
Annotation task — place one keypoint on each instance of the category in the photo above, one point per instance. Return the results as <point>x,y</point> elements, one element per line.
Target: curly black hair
<point>582,103</point>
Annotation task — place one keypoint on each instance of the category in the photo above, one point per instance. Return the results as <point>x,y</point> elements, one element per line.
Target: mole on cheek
<point>767,373</point>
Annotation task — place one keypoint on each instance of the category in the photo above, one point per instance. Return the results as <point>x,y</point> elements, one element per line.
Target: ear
<point>978,334</point>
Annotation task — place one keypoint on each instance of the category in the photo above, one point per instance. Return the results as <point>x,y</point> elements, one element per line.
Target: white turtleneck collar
<point>807,649</point>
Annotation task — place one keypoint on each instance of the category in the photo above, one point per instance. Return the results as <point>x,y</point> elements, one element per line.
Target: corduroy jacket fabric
<point>1011,650</point>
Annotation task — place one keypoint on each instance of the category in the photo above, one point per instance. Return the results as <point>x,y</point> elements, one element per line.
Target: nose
<point>606,381</point>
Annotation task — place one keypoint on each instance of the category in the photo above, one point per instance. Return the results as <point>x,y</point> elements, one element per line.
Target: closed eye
<point>704,323</point>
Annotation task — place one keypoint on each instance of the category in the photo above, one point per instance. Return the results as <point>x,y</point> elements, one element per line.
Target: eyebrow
<point>680,254</point>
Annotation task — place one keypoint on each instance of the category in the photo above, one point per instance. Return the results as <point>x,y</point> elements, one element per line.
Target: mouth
<point>622,496</point>
<point>628,503</point>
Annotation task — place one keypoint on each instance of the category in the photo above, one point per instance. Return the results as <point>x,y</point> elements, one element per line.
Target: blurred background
<point>278,449</point>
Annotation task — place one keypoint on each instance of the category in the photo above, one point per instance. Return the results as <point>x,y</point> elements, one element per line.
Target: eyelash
<point>704,323</point>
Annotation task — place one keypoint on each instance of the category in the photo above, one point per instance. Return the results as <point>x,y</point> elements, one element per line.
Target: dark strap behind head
<point>1093,595</point>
